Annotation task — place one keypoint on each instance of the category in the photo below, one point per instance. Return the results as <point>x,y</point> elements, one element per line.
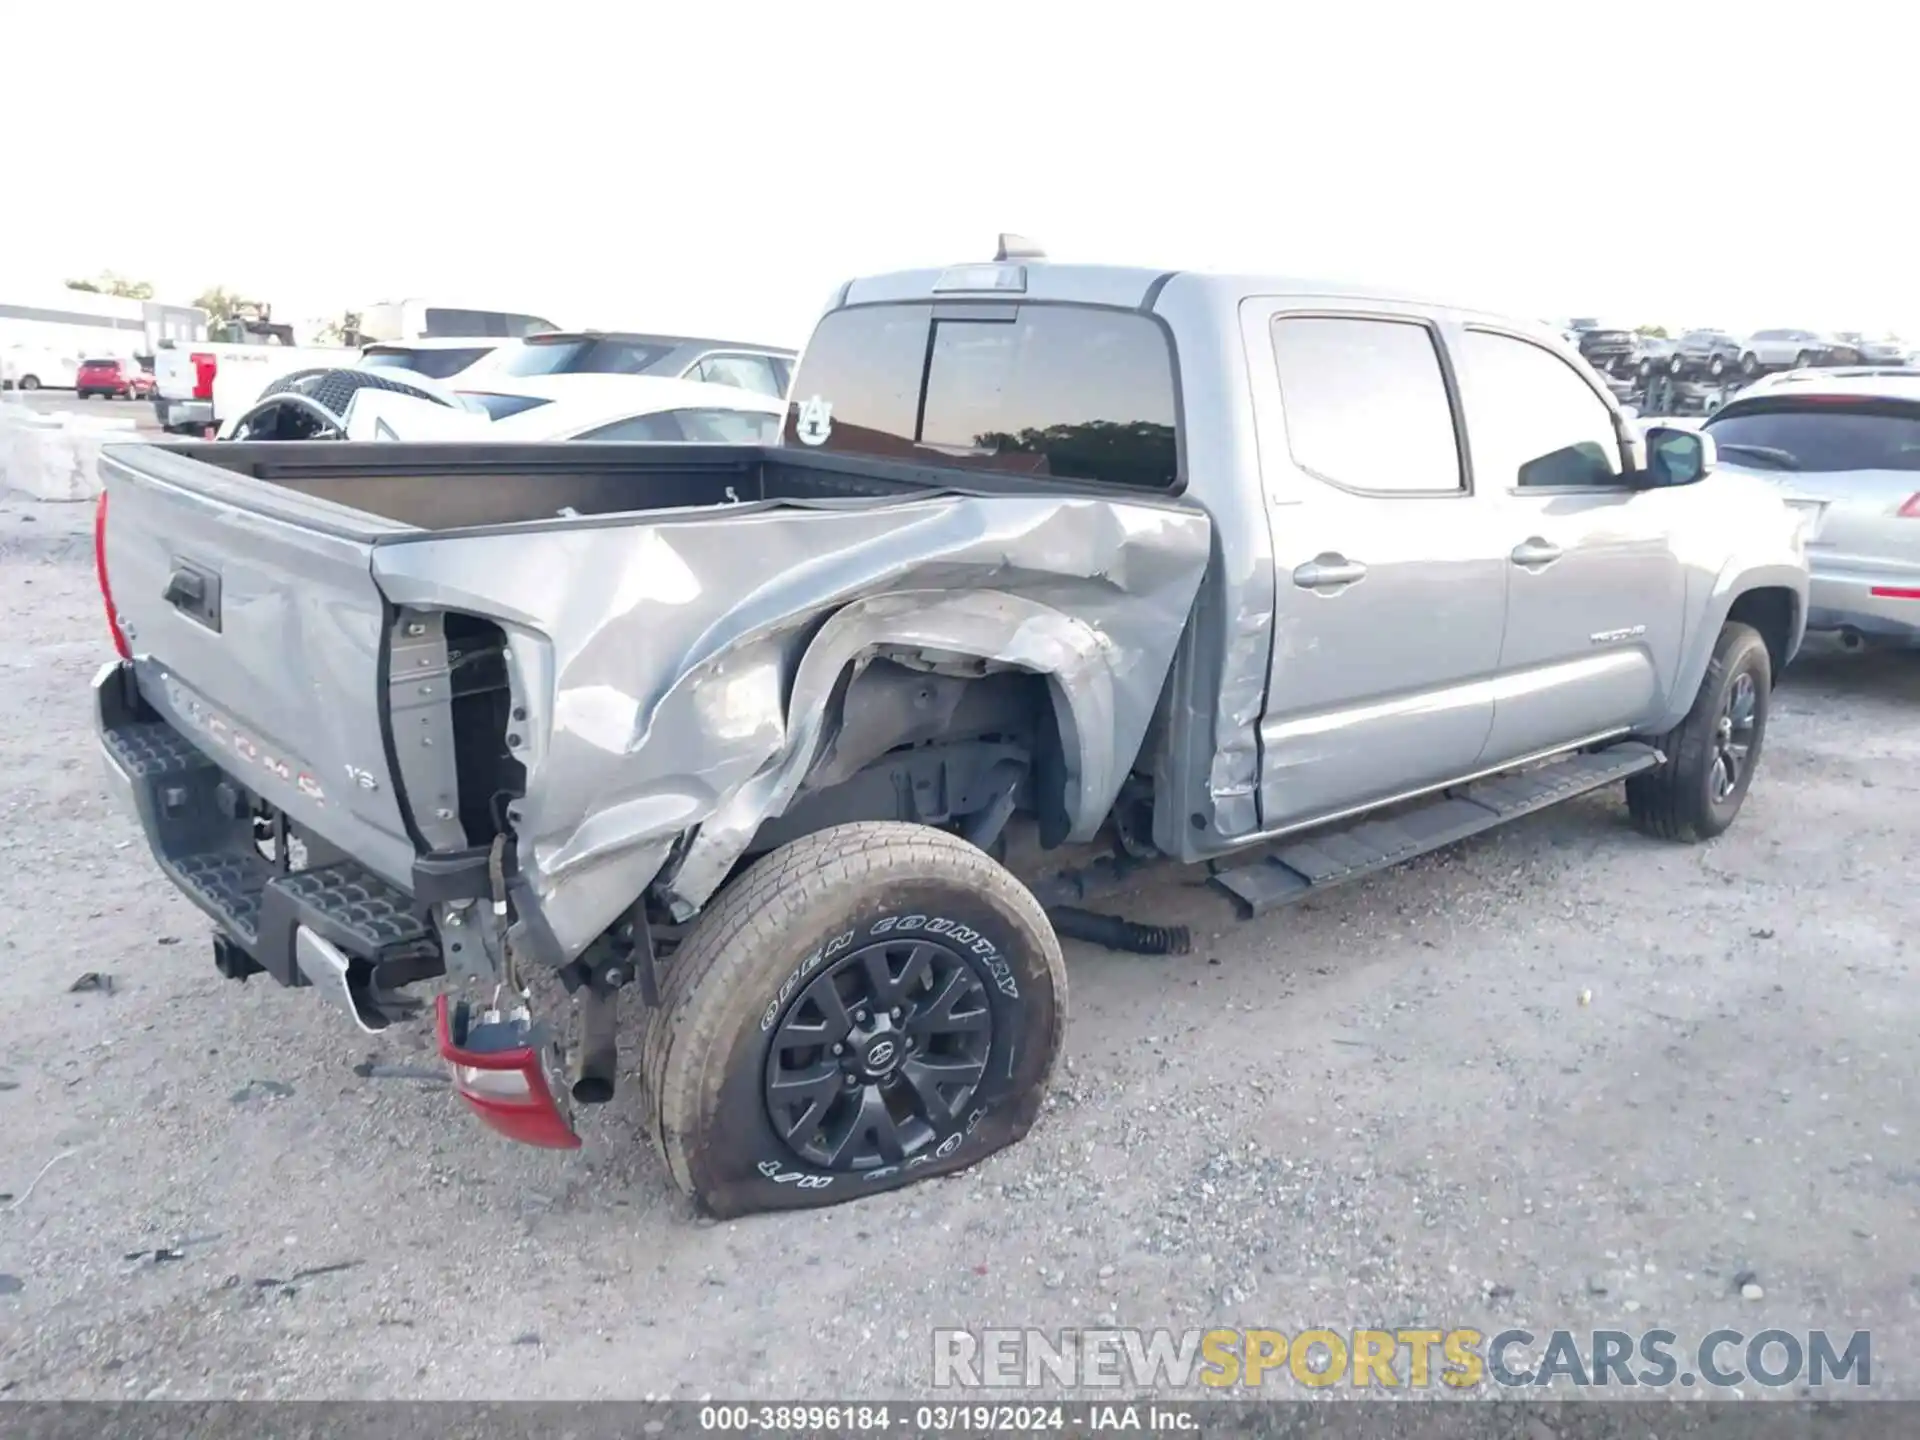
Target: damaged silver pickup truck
<point>1285,578</point>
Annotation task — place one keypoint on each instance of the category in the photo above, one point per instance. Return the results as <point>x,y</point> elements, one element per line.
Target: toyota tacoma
<point>1292,579</point>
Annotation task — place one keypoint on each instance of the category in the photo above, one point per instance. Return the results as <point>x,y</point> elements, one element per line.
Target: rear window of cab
<point>1069,392</point>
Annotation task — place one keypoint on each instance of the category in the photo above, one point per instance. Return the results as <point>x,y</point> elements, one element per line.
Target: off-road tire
<point>1674,801</point>
<point>704,1054</point>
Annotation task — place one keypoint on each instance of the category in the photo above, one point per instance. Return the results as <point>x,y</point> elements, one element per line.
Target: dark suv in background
<point>1713,352</point>
<point>1605,347</point>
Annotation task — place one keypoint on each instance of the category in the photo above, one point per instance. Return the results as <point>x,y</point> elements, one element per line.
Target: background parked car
<point>1843,449</point>
<point>1765,349</point>
<point>1713,352</point>
<point>1650,353</point>
<point>1603,346</point>
<point>113,377</point>
<point>1891,350</point>
<point>627,407</point>
<point>763,369</point>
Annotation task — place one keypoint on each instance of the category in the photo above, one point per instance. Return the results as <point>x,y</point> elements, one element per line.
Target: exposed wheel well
<point>931,740</point>
<point>1771,611</point>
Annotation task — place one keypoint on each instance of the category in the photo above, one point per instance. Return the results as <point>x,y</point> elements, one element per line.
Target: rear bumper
<point>1873,598</point>
<point>171,413</point>
<point>199,824</point>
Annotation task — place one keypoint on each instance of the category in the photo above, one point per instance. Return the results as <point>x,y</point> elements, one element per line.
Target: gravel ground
<point>1561,1075</point>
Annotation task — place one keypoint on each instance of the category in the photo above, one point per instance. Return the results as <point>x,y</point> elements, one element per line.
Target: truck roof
<point>1130,287</point>
<point>1103,285</point>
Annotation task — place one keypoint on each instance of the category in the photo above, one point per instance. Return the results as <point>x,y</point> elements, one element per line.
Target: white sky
<point>722,167</point>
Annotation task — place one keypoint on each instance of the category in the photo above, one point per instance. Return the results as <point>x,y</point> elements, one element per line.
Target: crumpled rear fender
<point>673,673</point>
<point>1100,728</point>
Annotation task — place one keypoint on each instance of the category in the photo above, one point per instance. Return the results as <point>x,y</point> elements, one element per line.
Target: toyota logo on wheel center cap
<point>880,1054</point>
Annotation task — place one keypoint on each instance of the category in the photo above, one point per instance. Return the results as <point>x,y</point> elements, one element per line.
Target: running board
<point>1306,867</point>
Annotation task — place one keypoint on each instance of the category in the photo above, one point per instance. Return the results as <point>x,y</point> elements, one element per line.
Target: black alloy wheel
<point>1733,737</point>
<point>872,1061</point>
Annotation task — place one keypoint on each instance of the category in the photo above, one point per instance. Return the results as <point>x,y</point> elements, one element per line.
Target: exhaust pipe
<point>1851,639</point>
<point>596,1058</point>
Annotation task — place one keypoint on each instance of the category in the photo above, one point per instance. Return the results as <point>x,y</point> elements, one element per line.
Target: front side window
<point>1366,404</point>
<point>1532,421</point>
<point>1070,392</point>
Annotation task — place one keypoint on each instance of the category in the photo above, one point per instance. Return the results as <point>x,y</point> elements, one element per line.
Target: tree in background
<point>1652,332</point>
<point>109,283</point>
<point>344,332</point>
<point>219,303</point>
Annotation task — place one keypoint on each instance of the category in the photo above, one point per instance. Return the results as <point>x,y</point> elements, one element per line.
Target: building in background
<point>45,333</point>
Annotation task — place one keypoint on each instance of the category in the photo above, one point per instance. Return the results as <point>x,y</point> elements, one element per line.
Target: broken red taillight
<point>501,1078</point>
<point>100,572</point>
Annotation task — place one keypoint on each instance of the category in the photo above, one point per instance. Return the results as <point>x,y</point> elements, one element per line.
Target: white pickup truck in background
<point>201,386</point>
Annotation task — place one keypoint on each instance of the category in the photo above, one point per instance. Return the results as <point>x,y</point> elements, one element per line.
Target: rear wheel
<point>871,1005</point>
<point>1749,364</point>
<point>1717,366</point>
<point>29,382</point>
<point>1676,365</point>
<point>1802,360</point>
<point>1711,754</point>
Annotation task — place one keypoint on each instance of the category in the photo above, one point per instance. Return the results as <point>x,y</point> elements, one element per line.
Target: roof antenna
<point>1018,247</point>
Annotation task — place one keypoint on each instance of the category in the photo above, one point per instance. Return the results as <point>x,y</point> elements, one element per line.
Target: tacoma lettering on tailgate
<point>236,741</point>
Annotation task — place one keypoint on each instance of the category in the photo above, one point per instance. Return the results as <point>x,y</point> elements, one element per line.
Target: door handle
<point>1535,551</point>
<point>1326,570</point>
<point>195,592</point>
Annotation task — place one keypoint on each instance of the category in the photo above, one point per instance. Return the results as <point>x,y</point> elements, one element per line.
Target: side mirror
<point>1677,457</point>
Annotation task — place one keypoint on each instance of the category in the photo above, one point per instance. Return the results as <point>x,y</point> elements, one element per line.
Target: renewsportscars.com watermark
<point>1149,1360</point>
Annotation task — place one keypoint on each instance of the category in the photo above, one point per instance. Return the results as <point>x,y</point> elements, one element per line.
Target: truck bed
<point>390,644</point>
<point>452,487</point>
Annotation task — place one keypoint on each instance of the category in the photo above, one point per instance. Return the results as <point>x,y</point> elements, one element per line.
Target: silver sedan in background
<point>1844,450</point>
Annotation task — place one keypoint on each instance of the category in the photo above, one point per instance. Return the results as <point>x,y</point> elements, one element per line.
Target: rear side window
<point>652,429</point>
<point>1809,434</point>
<point>728,427</point>
<point>1532,420</point>
<point>1069,392</point>
<point>1366,404</point>
<point>697,427</point>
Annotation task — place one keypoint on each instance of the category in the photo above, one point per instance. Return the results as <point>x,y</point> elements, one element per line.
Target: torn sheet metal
<point>676,671</point>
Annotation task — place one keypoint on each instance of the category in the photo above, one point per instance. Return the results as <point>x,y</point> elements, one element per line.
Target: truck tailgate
<point>257,630</point>
<point>174,374</point>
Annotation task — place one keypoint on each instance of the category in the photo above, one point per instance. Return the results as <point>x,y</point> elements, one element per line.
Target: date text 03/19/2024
<point>961,1418</point>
